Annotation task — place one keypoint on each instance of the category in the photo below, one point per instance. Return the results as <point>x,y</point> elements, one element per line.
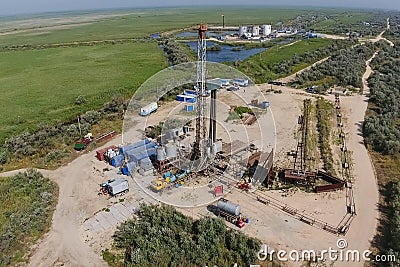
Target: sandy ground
<point>66,245</point>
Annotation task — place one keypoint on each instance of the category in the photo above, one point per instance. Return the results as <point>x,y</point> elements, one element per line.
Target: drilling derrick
<point>199,149</point>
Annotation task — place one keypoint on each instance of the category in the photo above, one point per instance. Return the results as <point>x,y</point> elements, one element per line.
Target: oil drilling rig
<point>202,145</point>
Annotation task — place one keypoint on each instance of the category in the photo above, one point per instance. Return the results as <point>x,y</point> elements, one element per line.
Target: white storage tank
<point>171,151</point>
<point>266,29</point>
<point>228,206</point>
<point>256,31</point>
<point>242,30</point>
<point>217,147</point>
<point>161,153</point>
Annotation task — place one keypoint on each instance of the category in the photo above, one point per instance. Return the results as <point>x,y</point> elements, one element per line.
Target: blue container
<point>172,178</point>
<point>167,174</point>
<point>136,156</point>
<point>189,108</point>
<point>247,220</point>
<point>265,104</point>
<point>140,149</point>
<point>117,160</point>
<point>186,98</point>
<point>189,92</point>
<point>130,167</point>
<point>134,145</point>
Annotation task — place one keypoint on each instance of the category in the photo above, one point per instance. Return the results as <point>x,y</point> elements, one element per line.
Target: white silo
<point>266,29</point>
<point>171,150</point>
<point>256,31</point>
<point>242,30</point>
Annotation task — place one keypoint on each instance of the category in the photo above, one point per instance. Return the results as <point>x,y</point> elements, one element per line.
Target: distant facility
<point>255,30</point>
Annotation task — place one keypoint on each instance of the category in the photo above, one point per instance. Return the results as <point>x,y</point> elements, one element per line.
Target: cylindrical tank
<point>228,206</point>
<point>217,147</point>
<point>171,151</point>
<point>161,153</point>
<point>256,30</point>
<point>266,29</point>
<point>242,30</point>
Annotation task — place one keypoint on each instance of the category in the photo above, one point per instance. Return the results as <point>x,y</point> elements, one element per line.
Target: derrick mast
<point>199,149</point>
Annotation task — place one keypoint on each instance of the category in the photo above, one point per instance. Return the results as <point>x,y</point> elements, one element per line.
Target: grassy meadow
<point>260,66</point>
<point>42,85</point>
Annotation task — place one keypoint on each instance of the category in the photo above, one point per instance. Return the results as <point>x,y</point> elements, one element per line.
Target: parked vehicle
<point>232,88</point>
<point>118,186</point>
<point>231,212</point>
<point>144,111</point>
<point>241,82</point>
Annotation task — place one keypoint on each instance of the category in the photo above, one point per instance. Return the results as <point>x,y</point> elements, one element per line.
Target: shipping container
<point>128,168</point>
<point>140,148</point>
<point>144,111</point>
<point>189,92</point>
<point>100,152</point>
<point>189,108</point>
<point>118,186</point>
<point>122,149</point>
<point>138,155</point>
<point>186,98</point>
<point>117,161</point>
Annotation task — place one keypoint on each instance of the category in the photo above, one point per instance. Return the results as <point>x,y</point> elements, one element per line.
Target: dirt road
<point>63,245</point>
<point>365,186</point>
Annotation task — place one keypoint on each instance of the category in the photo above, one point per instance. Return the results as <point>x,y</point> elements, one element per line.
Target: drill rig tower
<point>200,144</point>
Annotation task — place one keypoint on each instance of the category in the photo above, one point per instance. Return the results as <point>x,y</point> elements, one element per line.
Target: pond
<point>227,53</point>
<point>208,34</point>
<point>155,35</point>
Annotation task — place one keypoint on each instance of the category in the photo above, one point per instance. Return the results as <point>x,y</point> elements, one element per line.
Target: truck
<point>118,186</point>
<point>241,82</point>
<point>146,110</point>
<point>231,212</point>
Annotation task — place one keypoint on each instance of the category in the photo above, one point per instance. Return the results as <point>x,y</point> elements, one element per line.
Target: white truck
<point>118,186</point>
<point>144,111</point>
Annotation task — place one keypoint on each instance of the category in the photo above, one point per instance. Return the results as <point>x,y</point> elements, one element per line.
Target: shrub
<point>80,100</point>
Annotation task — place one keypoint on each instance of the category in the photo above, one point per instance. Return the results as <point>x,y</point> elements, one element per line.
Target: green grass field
<point>42,85</point>
<point>259,66</point>
<point>144,22</point>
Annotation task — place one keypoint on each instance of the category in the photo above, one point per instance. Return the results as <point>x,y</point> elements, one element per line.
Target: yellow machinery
<point>158,184</point>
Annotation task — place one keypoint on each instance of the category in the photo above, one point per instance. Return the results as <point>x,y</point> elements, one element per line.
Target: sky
<point>14,7</point>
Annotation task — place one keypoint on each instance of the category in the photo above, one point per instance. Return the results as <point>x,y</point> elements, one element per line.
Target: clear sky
<point>11,7</point>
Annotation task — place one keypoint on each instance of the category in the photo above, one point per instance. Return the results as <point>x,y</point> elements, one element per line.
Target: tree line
<point>162,236</point>
<point>381,128</point>
<point>344,68</point>
<point>286,66</point>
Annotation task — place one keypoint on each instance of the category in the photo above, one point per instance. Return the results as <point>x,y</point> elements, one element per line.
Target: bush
<point>91,117</point>
<point>163,236</point>
<point>3,156</point>
<point>80,100</point>
<point>26,206</point>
